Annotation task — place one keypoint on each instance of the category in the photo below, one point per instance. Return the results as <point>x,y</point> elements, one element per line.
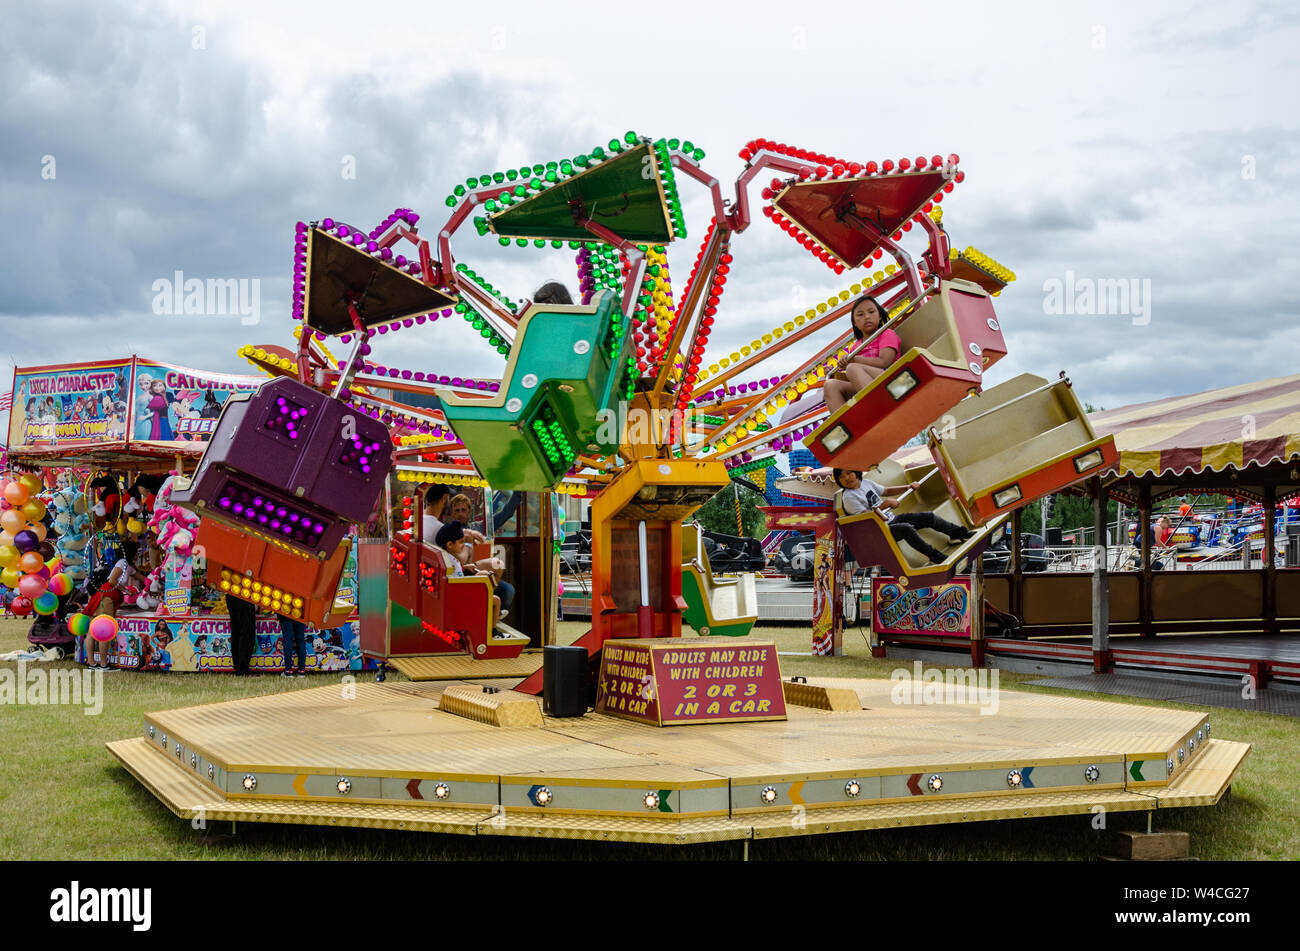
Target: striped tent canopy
<point>1234,428</point>
<point>1252,424</point>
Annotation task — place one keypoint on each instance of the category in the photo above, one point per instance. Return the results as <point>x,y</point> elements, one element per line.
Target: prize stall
<point>94,448</point>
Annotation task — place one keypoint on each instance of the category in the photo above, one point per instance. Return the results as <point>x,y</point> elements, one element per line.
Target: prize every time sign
<point>678,680</point>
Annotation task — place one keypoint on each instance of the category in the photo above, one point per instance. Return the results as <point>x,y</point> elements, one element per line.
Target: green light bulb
<point>498,177</point>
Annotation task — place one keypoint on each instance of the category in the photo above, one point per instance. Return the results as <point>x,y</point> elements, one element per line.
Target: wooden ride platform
<point>384,756</point>
<point>462,667</point>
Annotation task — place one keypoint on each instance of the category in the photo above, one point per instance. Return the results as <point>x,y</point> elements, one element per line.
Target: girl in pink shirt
<point>869,362</point>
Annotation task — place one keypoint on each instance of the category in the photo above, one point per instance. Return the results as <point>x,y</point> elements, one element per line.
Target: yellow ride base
<point>385,756</point>
<point>465,667</point>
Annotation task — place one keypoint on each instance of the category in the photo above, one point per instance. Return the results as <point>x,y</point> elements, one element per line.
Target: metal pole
<point>1101,660</point>
<point>644,616</point>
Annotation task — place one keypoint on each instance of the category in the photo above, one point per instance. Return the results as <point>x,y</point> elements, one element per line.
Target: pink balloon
<point>103,628</point>
<point>31,586</point>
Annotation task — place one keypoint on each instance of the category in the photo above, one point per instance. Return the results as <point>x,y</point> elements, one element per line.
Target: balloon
<point>46,604</point>
<point>47,550</point>
<point>32,482</point>
<point>78,625</point>
<point>44,572</point>
<point>6,538</point>
<point>31,586</point>
<point>103,628</point>
<point>13,521</point>
<point>31,562</point>
<point>26,540</point>
<point>10,577</point>
<point>60,584</point>
<point>34,510</point>
<point>40,531</point>
<point>9,556</point>
<point>16,493</point>
<point>21,606</point>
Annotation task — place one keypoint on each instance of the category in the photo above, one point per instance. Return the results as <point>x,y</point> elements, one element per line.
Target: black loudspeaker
<point>1053,539</point>
<point>564,681</point>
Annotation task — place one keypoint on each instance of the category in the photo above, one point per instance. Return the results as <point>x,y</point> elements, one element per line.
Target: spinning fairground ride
<point>614,398</point>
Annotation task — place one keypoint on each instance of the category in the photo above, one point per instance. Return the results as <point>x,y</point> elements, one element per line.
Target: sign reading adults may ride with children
<point>675,680</point>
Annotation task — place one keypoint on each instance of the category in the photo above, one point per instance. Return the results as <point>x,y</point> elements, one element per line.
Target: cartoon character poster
<point>179,406</point>
<point>202,644</point>
<point>70,405</point>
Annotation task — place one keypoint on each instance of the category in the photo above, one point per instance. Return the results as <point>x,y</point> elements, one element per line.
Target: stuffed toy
<point>107,493</point>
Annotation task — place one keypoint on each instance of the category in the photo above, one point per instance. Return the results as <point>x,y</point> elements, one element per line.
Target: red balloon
<point>21,606</point>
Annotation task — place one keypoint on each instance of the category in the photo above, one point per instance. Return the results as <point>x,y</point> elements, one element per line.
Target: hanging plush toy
<point>107,493</point>
<point>141,496</point>
<point>175,528</point>
<point>71,527</point>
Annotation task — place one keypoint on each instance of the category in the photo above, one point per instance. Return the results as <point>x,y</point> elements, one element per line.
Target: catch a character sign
<point>179,406</point>
<point>941,609</point>
<point>667,681</point>
<point>70,405</point>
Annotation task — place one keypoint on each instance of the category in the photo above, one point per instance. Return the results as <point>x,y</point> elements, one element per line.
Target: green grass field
<point>63,796</point>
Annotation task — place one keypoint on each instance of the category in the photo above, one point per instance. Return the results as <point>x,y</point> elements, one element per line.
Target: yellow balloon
<point>6,538</point>
<point>34,509</point>
<point>9,577</point>
<point>9,556</point>
<point>32,481</point>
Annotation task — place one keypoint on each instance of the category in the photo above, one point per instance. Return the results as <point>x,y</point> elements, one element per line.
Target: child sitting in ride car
<point>451,539</point>
<point>869,362</point>
<point>860,495</point>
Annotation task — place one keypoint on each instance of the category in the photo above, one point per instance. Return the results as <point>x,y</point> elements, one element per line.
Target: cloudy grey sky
<point>1152,142</point>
